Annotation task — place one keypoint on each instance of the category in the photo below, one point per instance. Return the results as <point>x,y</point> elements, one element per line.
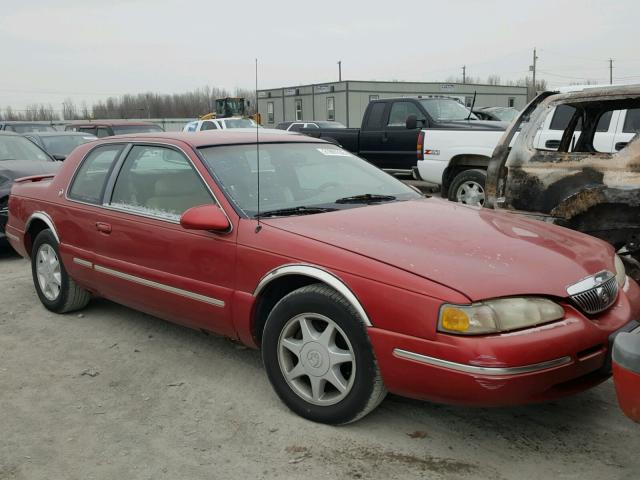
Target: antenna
<point>258,227</point>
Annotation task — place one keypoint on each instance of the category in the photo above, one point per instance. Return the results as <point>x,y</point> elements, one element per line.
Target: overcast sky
<point>88,50</point>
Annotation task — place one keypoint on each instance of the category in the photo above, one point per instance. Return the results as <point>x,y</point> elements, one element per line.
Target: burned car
<point>590,179</point>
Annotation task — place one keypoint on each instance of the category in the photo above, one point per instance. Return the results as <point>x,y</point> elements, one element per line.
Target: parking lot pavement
<point>113,393</point>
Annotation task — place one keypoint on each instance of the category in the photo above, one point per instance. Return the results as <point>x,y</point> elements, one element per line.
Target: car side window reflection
<point>89,182</point>
<point>158,182</point>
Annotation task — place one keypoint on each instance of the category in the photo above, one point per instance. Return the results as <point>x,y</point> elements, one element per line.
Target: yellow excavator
<point>231,107</point>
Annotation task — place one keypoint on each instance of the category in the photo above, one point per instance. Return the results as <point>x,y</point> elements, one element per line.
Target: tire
<point>67,296</point>
<point>319,306</point>
<point>462,188</point>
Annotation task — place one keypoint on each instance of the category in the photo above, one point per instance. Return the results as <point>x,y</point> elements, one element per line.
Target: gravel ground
<point>113,393</point>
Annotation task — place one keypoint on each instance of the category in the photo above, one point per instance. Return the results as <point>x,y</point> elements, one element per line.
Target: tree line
<point>142,105</point>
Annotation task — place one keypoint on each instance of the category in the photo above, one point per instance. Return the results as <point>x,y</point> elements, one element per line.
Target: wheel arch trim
<point>317,273</point>
<point>43,216</point>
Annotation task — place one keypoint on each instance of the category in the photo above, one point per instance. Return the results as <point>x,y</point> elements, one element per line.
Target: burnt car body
<point>576,186</point>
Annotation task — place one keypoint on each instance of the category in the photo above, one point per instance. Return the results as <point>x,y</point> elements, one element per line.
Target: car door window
<point>209,126</point>
<point>400,111</point>
<point>103,132</point>
<point>632,121</point>
<point>159,182</point>
<point>89,182</point>
<point>296,127</point>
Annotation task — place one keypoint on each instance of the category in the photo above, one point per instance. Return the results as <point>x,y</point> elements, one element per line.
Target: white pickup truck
<point>436,138</point>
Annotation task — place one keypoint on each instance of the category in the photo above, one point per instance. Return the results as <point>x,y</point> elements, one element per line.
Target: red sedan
<point>350,282</point>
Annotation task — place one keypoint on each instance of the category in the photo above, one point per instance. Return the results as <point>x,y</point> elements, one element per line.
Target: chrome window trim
<point>159,286</point>
<point>477,370</point>
<point>111,181</point>
<point>44,216</point>
<point>318,273</point>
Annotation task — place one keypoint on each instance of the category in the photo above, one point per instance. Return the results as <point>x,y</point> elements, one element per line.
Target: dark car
<point>109,128</point>
<point>59,144</point>
<point>300,124</point>
<point>26,127</point>
<point>19,157</point>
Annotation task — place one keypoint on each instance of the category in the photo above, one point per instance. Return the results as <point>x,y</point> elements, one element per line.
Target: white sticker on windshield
<point>334,152</point>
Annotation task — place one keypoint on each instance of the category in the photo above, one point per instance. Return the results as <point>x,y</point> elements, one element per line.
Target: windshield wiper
<point>301,210</point>
<point>366,198</point>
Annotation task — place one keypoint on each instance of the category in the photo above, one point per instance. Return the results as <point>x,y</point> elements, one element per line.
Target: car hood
<point>478,252</point>
<point>474,125</point>
<point>13,169</point>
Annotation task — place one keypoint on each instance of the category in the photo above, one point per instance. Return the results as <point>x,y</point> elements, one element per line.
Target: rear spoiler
<point>34,178</point>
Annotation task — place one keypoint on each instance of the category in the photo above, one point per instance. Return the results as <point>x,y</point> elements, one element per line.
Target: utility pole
<point>611,71</point>
<point>532,68</point>
<point>464,74</point>
<point>339,70</point>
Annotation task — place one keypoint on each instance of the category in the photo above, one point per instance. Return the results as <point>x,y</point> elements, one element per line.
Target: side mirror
<point>205,217</point>
<point>59,158</point>
<point>411,122</point>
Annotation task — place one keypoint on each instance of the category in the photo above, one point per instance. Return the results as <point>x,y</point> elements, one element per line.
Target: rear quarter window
<point>89,182</point>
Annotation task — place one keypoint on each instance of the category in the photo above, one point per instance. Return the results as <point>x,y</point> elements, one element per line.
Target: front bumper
<point>533,365</point>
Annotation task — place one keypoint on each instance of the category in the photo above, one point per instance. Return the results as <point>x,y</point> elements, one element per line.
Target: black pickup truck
<point>394,129</point>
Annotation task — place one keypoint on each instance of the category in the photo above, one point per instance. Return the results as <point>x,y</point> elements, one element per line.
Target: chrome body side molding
<point>150,283</point>
<point>477,370</point>
<point>319,274</point>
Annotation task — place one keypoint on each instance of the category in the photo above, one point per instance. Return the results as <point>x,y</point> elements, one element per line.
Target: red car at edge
<point>350,282</point>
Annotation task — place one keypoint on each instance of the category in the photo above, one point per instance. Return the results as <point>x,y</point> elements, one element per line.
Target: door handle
<point>552,144</point>
<point>103,227</point>
<point>620,146</point>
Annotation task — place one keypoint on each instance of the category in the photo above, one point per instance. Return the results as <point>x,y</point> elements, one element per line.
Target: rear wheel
<point>468,187</point>
<point>318,357</point>
<point>56,290</point>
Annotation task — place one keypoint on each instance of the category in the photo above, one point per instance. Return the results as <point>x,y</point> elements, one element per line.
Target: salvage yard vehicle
<point>586,183</point>
<point>626,374</point>
<point>437,139</point>
<point>19,158</point>
<point>26,127</point>
<point>109,128</point>
<point>59,144</point>
<point>297,126</point>
<point>219,124</point>
<point>349,281</point>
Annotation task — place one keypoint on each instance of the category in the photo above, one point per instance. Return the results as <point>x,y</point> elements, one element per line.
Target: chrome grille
<point>596,293</point>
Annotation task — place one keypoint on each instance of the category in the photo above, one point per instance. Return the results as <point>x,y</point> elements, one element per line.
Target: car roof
<point>110,123</point>
<point>25,122</point>
<point>60,133</point>
<point>8,133</point>
<point>234,136</point>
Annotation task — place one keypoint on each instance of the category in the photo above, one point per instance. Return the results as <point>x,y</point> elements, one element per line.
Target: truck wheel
<point>468,187</point>
<point>55,288</point>
<point>318,358</point>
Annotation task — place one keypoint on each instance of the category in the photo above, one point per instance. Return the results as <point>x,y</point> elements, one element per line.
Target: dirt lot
<point>113,393</point>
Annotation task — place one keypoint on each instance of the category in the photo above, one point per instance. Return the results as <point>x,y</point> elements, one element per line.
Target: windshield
<point>443,109</point>
<point>294,175</point>
<point>122,129</point>
<point>64,144</point>
<point>239,123</point>
<point>229,107</point>
<point>19,148</point>
<point>505,114</point>
<point>30,127</point>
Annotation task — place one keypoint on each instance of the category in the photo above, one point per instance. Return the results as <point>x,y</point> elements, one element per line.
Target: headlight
<point>621,272</point>
<point>500,315</point>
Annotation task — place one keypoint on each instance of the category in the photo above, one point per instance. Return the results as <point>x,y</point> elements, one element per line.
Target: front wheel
<point>318,357</point>
<point>56,290</point>
<point>468,187</point>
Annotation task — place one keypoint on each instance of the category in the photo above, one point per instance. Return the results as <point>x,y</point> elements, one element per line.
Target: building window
<point>331,108</point>
<point>374,97</point>
<point>512,102</point>
<point>270,118</point>
<point>298,109</point>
